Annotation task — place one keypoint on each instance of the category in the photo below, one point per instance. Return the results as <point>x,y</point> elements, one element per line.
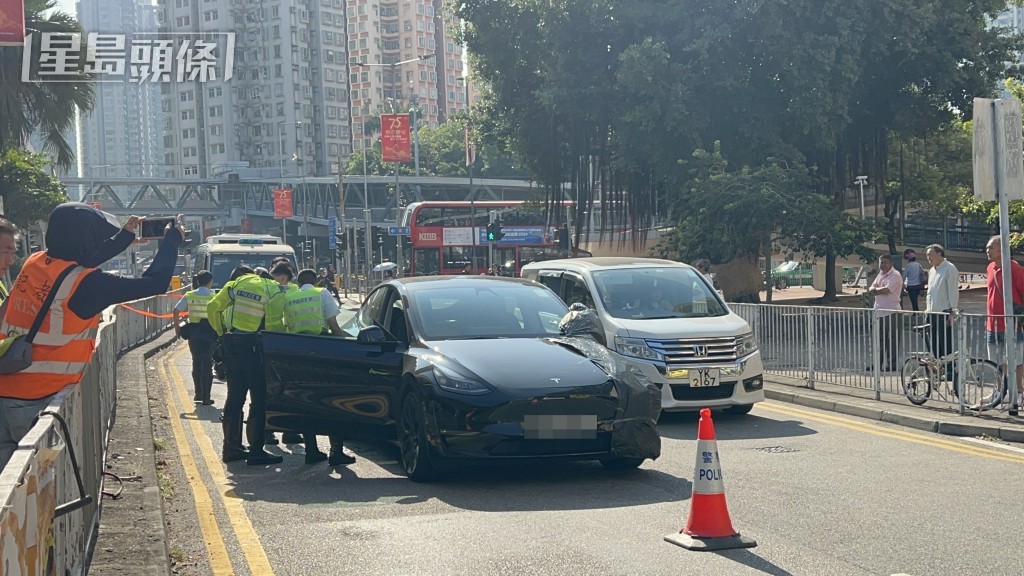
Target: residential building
<point>401,55</point>
<point>121,136</point>
<point>285,106</point>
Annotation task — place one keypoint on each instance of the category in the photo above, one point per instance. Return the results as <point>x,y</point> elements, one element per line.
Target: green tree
<point>30,192</point>
<point>610,94</point>
<point>48,107</point>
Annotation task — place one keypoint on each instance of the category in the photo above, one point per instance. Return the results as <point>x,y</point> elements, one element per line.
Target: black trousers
<point>914,292</point>
<point>202,365</point>
<point>941,335</point>
<point>887,333</point>
<point>245,375</point>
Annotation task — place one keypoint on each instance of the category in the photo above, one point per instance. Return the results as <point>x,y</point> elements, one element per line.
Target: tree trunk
<point>830,278</point>
<point>740,279</point>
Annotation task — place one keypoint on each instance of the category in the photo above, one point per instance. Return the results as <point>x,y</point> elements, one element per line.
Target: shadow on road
<point>748,558</point>
<point>683,426</point>
<point>492,488</point>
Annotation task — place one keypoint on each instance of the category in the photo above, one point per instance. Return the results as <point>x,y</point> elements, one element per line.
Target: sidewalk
<point>934,416</point>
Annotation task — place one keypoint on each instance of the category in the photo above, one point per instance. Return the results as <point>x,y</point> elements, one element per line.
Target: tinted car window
<point>648,293</point>
<point>496,310</point>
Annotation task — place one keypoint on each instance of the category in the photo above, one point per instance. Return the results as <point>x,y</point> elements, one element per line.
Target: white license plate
<point>697,377</point>
<point>552,427</point>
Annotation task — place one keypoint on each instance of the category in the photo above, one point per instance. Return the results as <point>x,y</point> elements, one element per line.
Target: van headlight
<point>745,344</point>
<point>637,348</point>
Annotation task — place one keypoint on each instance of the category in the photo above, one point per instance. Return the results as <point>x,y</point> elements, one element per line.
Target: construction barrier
<point>39,477</point>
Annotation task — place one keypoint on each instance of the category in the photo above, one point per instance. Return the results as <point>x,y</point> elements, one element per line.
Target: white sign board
<point>458,237</point>
<point>998,160</point>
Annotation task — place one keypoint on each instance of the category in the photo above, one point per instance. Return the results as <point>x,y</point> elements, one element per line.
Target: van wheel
<point>739,410</point>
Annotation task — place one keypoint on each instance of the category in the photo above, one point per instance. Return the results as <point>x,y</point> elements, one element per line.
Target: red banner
<point>246,227</point>
<point>12,22</point>
<point>394,138</point>
<point>283,204</point>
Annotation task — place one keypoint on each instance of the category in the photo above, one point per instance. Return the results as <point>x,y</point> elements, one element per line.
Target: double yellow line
<point>179,402</point>
<point>896,434</point>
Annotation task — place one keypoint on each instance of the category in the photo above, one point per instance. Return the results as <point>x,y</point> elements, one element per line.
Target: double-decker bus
<point>446,238</point>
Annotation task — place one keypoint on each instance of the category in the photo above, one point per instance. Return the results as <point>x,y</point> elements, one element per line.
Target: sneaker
<point>262,458</point>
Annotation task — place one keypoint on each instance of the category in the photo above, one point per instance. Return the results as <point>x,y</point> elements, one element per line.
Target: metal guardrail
<point>39,477</point>
<point>844,347</point>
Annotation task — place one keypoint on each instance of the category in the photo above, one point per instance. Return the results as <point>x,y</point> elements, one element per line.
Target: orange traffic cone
<point>709,526</point>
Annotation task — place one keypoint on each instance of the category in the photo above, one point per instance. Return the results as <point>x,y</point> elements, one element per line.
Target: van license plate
<point>698,378</point>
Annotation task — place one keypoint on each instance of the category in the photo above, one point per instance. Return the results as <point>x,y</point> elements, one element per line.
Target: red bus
<point>446,239</point>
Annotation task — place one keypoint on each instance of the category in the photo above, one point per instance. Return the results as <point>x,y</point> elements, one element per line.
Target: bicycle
<point>922,373</point>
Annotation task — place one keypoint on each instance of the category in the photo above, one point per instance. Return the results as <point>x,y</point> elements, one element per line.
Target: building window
<point>191,170</point>
<point>215,92</point>
<point>188,114</point>
<point>216,111</point>
<point>217,130</point>
<point>182,21</point>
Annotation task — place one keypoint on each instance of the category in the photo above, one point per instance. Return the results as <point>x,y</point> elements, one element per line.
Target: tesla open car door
<point>331,385</point>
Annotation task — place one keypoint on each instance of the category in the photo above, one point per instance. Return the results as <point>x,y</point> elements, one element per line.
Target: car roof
<point>429,282</point>
<point>601,262</point>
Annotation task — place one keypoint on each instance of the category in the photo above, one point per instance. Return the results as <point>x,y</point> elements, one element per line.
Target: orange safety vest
<point>64,344</point>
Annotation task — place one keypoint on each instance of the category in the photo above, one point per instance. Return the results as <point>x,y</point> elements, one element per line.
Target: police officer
<point>247,298</point>
<point>200,335</point>
<point>313,310</point>
<point>281,270</point>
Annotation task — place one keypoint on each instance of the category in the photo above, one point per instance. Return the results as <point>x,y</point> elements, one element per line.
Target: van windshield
<point>223,264</point>
<point>651,293</point>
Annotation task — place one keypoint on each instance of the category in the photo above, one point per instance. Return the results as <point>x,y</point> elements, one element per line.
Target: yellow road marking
<point>220,562</point>
<point>877,430</point>
<point>249,541</point>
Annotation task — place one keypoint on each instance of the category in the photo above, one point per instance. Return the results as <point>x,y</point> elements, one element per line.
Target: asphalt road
<point>821,493</point>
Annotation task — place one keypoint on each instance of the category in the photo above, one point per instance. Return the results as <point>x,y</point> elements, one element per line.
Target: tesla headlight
<point>451,381</point>
<point>637,348</point>
<point>745,344</point>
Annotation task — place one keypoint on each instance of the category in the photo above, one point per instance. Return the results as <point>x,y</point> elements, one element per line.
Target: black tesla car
<point>463,368</point>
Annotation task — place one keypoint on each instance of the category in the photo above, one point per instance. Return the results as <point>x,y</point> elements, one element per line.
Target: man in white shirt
<point>942,297</point>
<point>886,289</point>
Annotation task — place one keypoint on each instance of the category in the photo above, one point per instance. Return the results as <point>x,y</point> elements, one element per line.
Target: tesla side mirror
<point>371,335</point>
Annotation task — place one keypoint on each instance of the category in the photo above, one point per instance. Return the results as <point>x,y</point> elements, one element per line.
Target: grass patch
<point>159,444</point>
<point>166,486</point>
<point>176,555</point>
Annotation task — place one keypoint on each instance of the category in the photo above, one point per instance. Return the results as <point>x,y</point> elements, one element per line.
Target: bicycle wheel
<point>984,383</point>
<point>916,378</point>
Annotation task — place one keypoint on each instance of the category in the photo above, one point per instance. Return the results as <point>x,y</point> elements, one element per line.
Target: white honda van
<point>669,322</point>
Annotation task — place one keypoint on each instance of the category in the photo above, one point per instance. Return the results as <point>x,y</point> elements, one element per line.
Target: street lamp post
<point>862,180</point>
<point>470,162</point>
<point>395,85</point>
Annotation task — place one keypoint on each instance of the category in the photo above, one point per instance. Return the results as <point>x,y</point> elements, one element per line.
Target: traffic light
<point>378,239</point>
<point>494,231</point>
<point>342,243</point>
<point>360,239</point>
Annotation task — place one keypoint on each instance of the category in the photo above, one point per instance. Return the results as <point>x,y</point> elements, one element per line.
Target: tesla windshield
<point>650,293</point>
<point>496,311</point>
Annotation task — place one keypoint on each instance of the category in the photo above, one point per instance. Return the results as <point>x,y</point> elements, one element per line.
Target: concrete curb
<point>135,522</point>
<point>928,424</point>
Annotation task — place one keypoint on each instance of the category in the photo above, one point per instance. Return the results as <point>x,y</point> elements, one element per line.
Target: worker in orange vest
<point>79,238</point>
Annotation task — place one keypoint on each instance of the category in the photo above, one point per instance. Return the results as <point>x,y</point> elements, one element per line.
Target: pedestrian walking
<point>79,238</point>
<point>995,324</point>
<point>886,288</point>
<point>247,298</point>
<point>199,334</point>
<point>942,297</point>
<point>914,278</point>
<point>312,310</point>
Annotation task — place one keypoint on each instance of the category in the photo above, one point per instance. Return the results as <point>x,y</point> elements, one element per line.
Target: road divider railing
<point>858,349</point>
<point>40,476</point>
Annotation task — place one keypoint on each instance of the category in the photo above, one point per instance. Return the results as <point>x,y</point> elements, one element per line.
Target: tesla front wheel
<point>412,441</point>
<point>916,378</point>
<point>622,463</point>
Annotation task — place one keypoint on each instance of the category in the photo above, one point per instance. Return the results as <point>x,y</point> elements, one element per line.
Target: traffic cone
<point>708,527</point>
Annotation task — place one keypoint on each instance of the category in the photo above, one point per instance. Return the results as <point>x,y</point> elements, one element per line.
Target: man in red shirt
<point>995,325</point>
